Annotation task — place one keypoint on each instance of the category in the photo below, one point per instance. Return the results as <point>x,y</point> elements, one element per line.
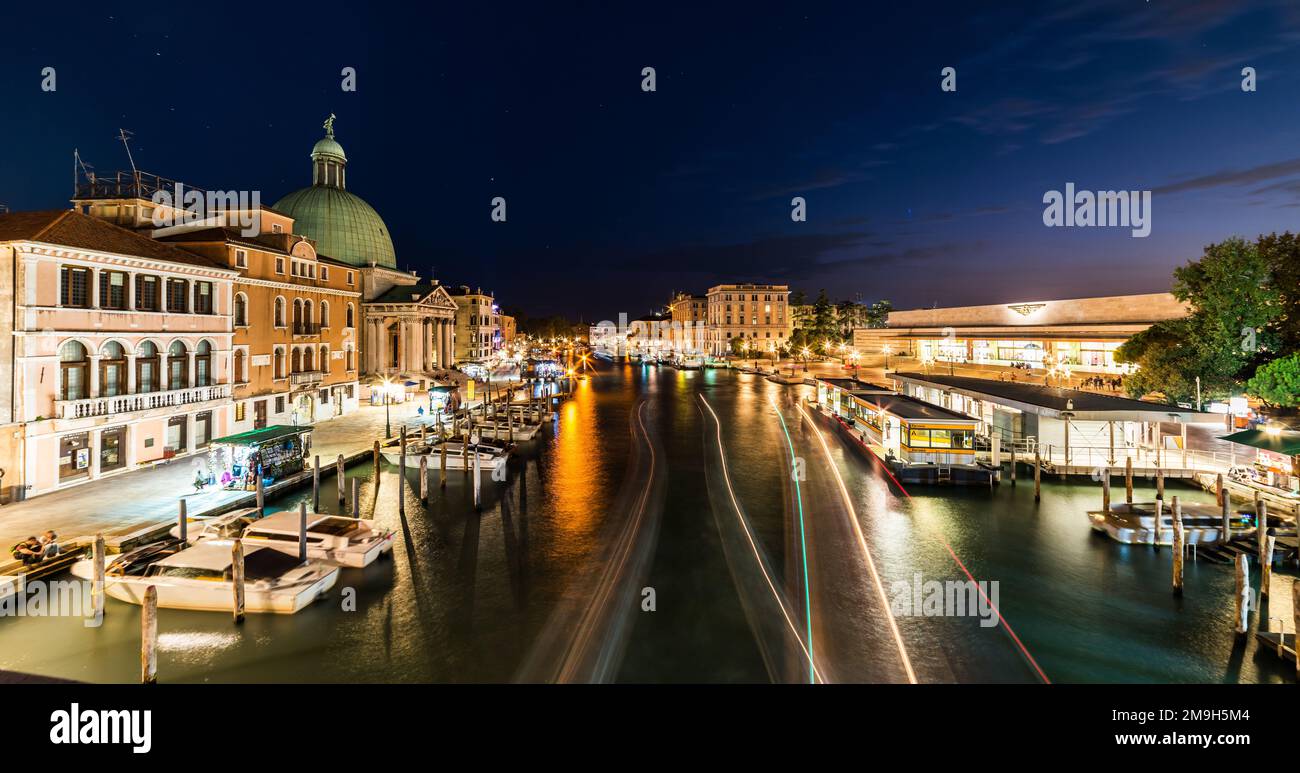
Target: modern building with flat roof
<point>1078,334</point>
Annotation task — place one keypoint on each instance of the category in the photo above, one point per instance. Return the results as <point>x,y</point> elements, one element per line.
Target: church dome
<point>343,225</point>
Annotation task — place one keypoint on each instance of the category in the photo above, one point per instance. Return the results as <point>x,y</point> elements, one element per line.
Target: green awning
<point>1286,443</point>
<point>255,437</point>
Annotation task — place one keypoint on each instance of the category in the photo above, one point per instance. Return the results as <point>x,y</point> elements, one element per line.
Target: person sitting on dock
<point>200,480</point>
<point>29,551</point>
<point>49,544</point>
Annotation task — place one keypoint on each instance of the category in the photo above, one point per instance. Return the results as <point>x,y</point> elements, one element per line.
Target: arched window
<point>178,366</point>
<point>325,359</point>
<point>350,352</point>
<point>306,316</point>
<point>279,311</point>
<point>306,359</point>
<point>351,320</point>
<point>296,364</point>
<point>112,370</point>
<point>279,362</point>
<point>297,312</point>
<point>239,366</point>
<point>241,310</point>
<point>146,368</point>
<point>324,313</point>
<point>203,364</point>
<point>72,366</point>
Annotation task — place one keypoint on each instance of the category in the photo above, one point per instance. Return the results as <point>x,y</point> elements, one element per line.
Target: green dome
<point>344,226</point>
<point>328,145</point>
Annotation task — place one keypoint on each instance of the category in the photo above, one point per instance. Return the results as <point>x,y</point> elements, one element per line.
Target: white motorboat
<point>335,539</point>
<point>491,452</point>
<point>200,577</point>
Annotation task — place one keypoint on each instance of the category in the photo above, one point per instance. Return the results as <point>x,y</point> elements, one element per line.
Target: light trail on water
<point>866,551</point>
<point>880,466</point>
<point>753,546</point>
<point>803,539</point>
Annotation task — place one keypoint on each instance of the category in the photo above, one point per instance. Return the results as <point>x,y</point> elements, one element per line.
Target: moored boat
<point>200,577</point>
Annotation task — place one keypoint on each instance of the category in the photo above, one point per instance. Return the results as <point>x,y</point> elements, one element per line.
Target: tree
<point>848,315</point>
<point>878,314</point>
<point>1282,254</point>
<point>1232,306</point>
<point>738,345</point>
<point>1278,382</point>
<point>822,325</point>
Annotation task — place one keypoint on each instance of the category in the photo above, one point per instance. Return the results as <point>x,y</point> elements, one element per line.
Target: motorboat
<point>200,577</point>
<point>336,539</point>
<point>491,452</point>
<point>691,362</point>
<point>1135,524</point>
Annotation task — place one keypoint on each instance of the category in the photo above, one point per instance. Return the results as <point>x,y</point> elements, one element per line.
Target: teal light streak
<point>803,544</point>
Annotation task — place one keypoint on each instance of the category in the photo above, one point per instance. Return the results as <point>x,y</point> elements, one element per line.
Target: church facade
<point>408,324</point>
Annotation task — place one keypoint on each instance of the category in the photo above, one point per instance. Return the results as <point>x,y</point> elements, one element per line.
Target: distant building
<point>757,313</point>
<point>477,324</point>
<point>689,316</point>
<point>507,329</point>
<point>1082,333</point>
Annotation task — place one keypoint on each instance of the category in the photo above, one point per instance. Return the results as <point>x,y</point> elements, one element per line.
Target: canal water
<point>704,526</point>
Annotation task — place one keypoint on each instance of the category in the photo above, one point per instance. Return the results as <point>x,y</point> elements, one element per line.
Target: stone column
<point>93,388</point>
<point>130,373</point>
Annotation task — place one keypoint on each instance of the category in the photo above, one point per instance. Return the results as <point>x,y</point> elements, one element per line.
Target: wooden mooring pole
<point>1160,517</point>
<point>1038,476</point>
<point>356,498</point>
<point>1266,568</point>
<point>1225,511</point>
<point>1013,464</point>
<point>1261,528</point>
<point>376,465</point>
<point>97,587</point>
<point>1160,482</point>
<point>261,492</point>
<point>184,523</point>
<point>401,475</point>
<point>237,577</point>
<point>315,483</point>
<point>424,478</point>
<point>149,636</point>
<point>302,532</point>
<point>338,477</point>
<point>1105,491</point>
<point>1178,548</point>
<point>1128,480</point>
<point>1243,594</point>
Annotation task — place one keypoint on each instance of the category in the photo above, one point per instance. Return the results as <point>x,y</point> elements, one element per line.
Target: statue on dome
<point>329,126</point>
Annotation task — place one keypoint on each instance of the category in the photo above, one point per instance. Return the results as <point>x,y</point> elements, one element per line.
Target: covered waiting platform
<point>1071,427</point>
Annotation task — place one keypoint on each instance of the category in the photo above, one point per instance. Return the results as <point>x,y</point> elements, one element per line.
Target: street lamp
<point>805,354</point>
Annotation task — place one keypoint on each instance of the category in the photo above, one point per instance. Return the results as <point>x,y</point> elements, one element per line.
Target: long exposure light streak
<point>880,466</point>
<point>803,539</point>
<point>866,551</point>
<point>753,546</point>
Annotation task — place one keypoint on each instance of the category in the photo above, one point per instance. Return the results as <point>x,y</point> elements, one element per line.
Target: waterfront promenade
<point>142,497</point>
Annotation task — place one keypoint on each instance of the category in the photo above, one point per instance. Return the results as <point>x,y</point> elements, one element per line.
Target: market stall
<point>274,451</point>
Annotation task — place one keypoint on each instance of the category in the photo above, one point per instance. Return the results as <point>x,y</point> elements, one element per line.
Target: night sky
<point>616,197</point>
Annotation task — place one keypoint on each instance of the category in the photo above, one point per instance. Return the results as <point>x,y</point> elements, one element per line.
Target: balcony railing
<point>110,406</point>
<point>306,377</point>
<point>306,328</point>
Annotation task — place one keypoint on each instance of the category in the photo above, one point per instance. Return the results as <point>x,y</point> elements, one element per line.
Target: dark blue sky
<point>615,196</point>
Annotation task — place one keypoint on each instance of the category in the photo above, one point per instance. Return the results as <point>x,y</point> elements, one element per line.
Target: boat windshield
<point>336,527</point>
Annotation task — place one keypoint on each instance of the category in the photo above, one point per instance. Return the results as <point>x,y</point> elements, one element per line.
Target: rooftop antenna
<point>124,135</point>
